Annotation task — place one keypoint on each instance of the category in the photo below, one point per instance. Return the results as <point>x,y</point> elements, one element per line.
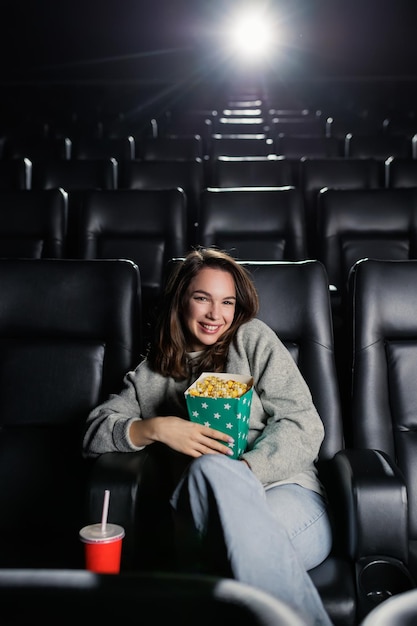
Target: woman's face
<point>210,308</point>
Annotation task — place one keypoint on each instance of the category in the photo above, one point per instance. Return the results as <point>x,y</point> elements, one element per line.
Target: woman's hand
<point>181,435</point>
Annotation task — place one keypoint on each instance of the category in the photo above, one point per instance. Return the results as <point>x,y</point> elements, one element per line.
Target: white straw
<point>105,510</point>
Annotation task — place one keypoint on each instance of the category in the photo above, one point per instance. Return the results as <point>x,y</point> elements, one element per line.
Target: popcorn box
<point>230,415</point>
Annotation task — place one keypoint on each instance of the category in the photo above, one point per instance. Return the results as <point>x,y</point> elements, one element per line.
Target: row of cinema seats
<point>336,226</point>
<point>151,226</point>
<point>192,146</point>
<point>69,332</point>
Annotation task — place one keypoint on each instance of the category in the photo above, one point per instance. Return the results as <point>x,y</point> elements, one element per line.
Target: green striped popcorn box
<point>228,414</point>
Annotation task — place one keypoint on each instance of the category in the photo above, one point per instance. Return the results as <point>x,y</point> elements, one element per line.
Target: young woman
<point>263,515</point>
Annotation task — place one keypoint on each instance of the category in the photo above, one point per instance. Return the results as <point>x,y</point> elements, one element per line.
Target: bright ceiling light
<point>251,35</point>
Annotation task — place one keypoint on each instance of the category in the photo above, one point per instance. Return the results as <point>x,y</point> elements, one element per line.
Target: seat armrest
<point>369,497</point>
<point>140,484</point>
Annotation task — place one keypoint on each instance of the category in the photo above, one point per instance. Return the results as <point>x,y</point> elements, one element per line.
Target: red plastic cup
<point>102,548</point>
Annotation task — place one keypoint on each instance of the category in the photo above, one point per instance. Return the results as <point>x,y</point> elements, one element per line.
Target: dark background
<point>163,39</point>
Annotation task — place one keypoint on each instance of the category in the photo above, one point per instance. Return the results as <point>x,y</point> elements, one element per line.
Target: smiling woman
<point>207,324</point>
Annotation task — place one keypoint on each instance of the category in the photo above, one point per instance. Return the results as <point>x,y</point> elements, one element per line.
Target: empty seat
<point>400,172</point>
<point>377,146</point>
<point>265,171</point>
<point>355,224</point>
<point>383,296</point>
<point>233,125</point>
<point>304,125</point>
<point>69,331</point>
<point>183,148</point>
<point>33,223</point>
<point>76,176</point>
<point>263,223</point>
<point>297,146</point>
<point>335,173</point>
<point>143,225</point>
<point>33,595</point>
<point>341,124</point>
<point>37,148</point>
<point>119,148</point>
<point>242,145</point>
<point>188,175</point>
<point>15,173</point>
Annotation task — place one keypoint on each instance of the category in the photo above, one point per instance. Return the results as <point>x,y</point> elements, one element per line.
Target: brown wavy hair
<point>167,354</point>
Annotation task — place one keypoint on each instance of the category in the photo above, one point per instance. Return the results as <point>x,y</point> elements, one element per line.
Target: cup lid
<point>93,533</point>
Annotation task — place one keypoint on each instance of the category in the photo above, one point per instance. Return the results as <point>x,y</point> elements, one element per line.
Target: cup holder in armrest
<point>379,579</point>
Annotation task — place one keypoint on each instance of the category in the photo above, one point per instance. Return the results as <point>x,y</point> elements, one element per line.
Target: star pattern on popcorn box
<point>229,415</point>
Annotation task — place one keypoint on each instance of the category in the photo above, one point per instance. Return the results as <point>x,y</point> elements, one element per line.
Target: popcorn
<point>222,401</point>
<point>216,387</point>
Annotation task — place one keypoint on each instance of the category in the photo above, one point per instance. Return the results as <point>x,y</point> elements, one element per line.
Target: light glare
<point>251,35</point>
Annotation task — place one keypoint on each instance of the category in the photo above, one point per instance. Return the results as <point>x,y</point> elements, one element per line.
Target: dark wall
<point>161,40</point>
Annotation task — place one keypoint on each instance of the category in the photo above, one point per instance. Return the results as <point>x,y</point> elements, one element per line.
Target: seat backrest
<point>294,302</point>
<point>342,123</point>
<point>237,125</point>
<point>335,173</point>
<point>377,146</point>
<point>262,223</point>
<point>119,148</point>
<point>37,148</point>
<point>75,174</point>
<point>33,223</point>
<point>185,147</point>
<point>69,331</point>
<point>304,125</point>
<point>262,171</point>
<point>384,368</point>
<point>147,226</point>
<point>33,595</point>
<point>240,145</point>
<point>358,223</point>
<point>401,172</point>
<point>188,175</point>
<point>297,146</point>
<point>15,173</point>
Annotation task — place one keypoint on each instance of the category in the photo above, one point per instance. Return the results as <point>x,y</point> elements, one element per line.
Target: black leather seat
<point>354,224</point>
<point>261,171</point>
<point>240,145</point>
<point>334,173</point>
<point>297,146</point>
<point>32,148</point>
<point>76,176</point>
<point>37,595</point>
<point>147,226</point>
<point>15,173</point>
<point>384,327</point>
<point>171,147</point>
<point>258,223</point>
<point>400,172</point>
<point>69,330</point>
<point>168,174</point>
<point>357,223</point>
<point>377,146</point>
<point>33,223</point>
<point>119,148</point>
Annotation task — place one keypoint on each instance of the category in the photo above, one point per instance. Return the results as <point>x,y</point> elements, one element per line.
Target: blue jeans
<point>227,524</point>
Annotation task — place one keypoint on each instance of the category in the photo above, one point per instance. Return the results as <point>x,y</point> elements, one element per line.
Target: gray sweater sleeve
<point>286,430</point>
